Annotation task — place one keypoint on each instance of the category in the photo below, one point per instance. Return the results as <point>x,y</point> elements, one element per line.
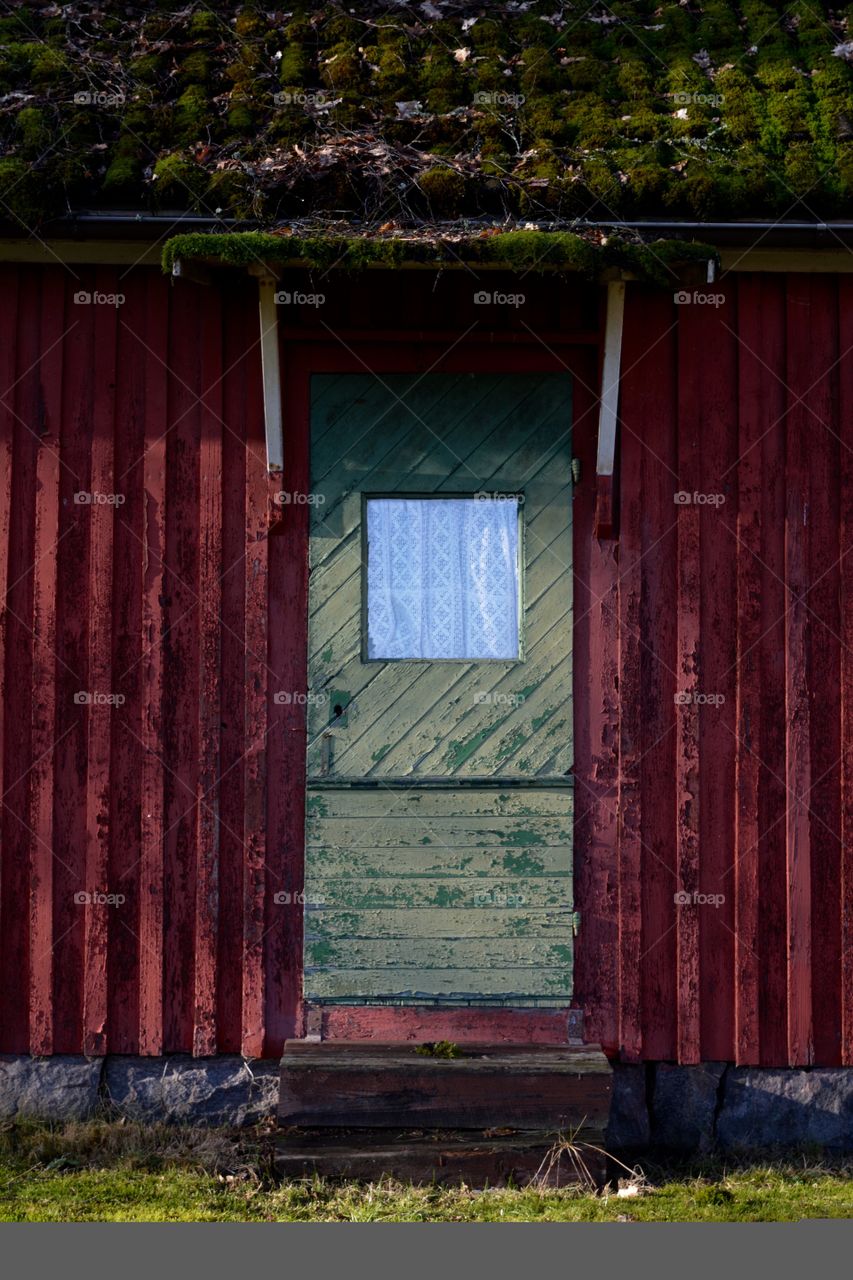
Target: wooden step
<point>475,1159</point>
<point>350,1084</point>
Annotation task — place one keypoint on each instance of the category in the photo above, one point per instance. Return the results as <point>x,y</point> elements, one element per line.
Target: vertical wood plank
<point>255,727</point>
<point>126,754</point>
<point>845,550</point>
<point>23,398</point>
<point>691,353</point>
<point>153,624</point>
<point>630,726</point>
<point>823,660</point>
<point>181,669</point>
<point>45,552</point>
<point>95,1032</point>
<point>288,614</point>
<point>237,320</point>
<point>9,283</point>
<point>210,592</point>
<point>772,796</point>
<point>648,411</point>
<point>751,389</point>
<point>718,415</point>
<point>69,831</point>
<point>595,691</point>
<point>797,709</point>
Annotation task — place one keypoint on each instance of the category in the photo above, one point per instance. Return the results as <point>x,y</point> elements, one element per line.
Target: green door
<point>439,801</point>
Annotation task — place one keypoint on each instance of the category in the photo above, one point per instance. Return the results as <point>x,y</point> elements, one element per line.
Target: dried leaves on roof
<point>410,113</point>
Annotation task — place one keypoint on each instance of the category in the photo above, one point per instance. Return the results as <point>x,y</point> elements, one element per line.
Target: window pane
<point>442,577</point>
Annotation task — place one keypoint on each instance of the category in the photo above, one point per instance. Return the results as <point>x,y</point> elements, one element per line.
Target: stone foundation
<point>659,1106</point>
<point>226,1090</point>
<point>715,1106</point>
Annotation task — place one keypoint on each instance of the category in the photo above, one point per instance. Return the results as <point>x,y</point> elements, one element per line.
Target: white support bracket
<point>268,315</point>
<point>608,409</point>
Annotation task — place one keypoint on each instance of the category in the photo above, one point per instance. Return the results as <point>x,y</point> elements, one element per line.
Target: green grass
<point>118,1171</point>
<point>110,1171</point>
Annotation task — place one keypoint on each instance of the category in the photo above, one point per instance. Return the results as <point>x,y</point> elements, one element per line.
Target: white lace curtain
<point>442,577</point>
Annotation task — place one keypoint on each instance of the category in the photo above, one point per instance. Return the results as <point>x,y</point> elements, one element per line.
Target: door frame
<point>300,359</point>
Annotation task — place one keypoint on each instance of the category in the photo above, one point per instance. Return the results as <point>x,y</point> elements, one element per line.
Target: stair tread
<point>341,1083</point>
<point>475,1159</point>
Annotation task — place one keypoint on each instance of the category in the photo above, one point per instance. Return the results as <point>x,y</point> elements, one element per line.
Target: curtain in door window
<point>442,578</point>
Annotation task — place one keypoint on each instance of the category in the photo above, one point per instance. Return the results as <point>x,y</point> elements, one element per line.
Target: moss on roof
<point>527,251</point>
<point>386,112</point>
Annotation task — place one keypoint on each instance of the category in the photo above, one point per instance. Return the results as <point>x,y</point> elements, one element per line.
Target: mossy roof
<point>390,115</point>
<point>595,256</point>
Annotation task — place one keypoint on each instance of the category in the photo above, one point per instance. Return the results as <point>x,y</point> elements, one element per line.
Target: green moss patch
<point>379,113</point>
<point>522,251</point>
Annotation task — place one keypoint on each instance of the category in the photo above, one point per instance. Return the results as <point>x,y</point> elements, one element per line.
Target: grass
<point>113,1171</point>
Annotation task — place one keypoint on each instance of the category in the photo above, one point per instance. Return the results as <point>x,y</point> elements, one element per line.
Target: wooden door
<point>439,801</point>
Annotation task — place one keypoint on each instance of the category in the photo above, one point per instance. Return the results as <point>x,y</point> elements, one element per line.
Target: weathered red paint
<point>689,480</point>
<point>98,687</point>
<point>745,875</point>
<point>845,542</point>
<point>152,555</point>
<point>190,602</point>
<point>210,602</point>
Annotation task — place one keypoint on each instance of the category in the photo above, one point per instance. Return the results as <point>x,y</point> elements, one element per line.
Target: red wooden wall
<point>714,712</point>
<point>713,669</point>
<point>159,800</point>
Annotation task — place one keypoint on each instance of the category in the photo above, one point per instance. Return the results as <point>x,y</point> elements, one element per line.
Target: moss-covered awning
<point>524,251</point>
<point>390,113</point>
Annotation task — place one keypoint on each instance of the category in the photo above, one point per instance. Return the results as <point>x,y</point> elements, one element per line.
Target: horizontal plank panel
<point>398,831</point>
<point>486,982</point>
<point>440,862</point>
<point>572,1059</point>
<point>422,954</point>
<point>481,922</point>
<point>417,891</point>
<point>415,802</point>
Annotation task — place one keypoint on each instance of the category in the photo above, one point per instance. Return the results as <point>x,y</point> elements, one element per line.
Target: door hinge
<point>576,923</point>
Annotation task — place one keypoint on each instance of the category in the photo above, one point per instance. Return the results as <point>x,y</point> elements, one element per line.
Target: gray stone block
<point>629,1125</point>
<point>684,1106</point>
<point>770,1107</point>
<point>225,1090</point>
<point>64,1087</point>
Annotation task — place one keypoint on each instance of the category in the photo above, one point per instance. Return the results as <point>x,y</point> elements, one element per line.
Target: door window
<point>443,577</point>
